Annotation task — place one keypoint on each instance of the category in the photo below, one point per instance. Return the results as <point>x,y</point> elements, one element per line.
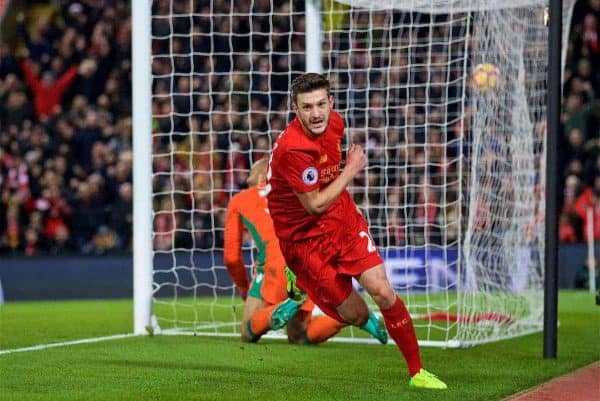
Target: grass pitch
<point>202,368</point>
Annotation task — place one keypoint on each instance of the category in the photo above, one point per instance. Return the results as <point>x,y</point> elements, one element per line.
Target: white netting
<point>453,189</point>
<point>442,6</point>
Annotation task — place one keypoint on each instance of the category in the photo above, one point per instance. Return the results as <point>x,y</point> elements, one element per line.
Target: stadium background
<point>65,209</point>
<point>66,159</point>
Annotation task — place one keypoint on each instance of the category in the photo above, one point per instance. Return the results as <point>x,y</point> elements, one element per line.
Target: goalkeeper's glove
<point>293,291</point>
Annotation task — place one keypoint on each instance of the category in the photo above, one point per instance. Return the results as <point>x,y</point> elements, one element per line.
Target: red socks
<point>400,327</point>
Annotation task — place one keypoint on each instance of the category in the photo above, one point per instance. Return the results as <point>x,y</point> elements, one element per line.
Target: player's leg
<point>399,325</point>
<point>395,314</point>
<point>251,307</point>
<point>295,301</point>
<point>263,300</point>
<point>296,328</point>
<point>269,285</point>
<point>374,280</point>
<point>283,313</point>
<point>322,328</point>
<point>354,309</point>
<point>360,258</point>
<point>313,276</point>
<point>307,329</point>
<point>304,328</point>
<point>331,291</point>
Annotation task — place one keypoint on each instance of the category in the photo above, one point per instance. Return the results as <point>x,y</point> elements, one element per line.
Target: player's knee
<point>296,336</point>
<point>246,336</point>
<point>361,319</point>
<point>354,310</point>
<point>296,330</point>
<point>356,316</point>
<point>384,295</point>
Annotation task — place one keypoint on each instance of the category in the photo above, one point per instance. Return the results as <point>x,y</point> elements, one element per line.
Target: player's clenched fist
<point>356,159</point>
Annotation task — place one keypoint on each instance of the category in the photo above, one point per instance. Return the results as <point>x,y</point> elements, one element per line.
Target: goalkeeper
<point>267,305</point>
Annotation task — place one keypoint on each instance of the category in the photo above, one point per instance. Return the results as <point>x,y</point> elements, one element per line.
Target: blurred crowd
<point>65,131</point>
<point>580,148</point>
<point>230,101</point>
<point>65,126</point>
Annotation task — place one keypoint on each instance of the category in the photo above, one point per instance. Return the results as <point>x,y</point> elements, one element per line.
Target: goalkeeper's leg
<point>321,328</point>
<point>253,326</point>
<point>286,310</point>
<point>306,329</point>
<point>262,301</point>
<point>303,328</point>
<point>259,317</point>
<point>267,306</point>
<point>313,330</point>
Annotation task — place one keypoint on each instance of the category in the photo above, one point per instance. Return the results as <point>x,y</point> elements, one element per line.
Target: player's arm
<point>317,201</point>
<point>233,257</point>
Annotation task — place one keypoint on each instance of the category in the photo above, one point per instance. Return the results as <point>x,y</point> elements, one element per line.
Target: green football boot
<point>426,380</point>
<point>283,313</point>
<point>376,327</point>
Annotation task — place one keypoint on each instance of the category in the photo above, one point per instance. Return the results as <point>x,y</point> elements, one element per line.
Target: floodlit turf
<point>200,368</point>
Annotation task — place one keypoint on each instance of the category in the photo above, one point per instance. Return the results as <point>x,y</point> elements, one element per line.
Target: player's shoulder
<point>293,139</point>
<point>336,124</point>
<point>240,198</point>
<point>336,120</point>
<point>234,201</point>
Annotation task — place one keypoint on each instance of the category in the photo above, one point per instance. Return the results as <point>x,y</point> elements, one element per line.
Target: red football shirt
<point>302,164</point>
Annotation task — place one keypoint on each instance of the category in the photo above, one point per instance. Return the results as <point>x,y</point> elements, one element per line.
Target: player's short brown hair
<point>307,83</point>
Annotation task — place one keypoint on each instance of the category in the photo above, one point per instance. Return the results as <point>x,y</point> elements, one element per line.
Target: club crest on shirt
<point>310,176</point>
<point>323,158</point>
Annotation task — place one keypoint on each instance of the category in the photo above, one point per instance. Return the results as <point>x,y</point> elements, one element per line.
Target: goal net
<point>454,188</point>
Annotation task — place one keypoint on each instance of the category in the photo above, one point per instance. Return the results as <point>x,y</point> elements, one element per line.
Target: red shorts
<point>324,265</point>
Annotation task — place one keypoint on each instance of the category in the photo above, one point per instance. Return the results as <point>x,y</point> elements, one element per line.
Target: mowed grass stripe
<point>201,368</point>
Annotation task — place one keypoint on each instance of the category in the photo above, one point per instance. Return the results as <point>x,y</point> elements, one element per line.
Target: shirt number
<point>370,246</point>
<point>270,171</point>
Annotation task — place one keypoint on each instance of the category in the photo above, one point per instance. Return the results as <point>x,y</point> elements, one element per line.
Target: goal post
<point>141,44</point>
<point>313,36</point>
<point>453,190</point>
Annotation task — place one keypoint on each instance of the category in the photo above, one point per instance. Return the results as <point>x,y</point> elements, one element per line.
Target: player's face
<point>313,110</point>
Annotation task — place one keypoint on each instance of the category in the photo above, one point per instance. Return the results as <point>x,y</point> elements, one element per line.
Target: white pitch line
<point>63,344</point>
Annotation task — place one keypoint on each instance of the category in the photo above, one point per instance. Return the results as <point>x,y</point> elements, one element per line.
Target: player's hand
<point>356,159</point>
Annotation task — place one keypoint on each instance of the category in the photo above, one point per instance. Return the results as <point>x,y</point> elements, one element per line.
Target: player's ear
<point>331,101</point>
<point>294,105</point>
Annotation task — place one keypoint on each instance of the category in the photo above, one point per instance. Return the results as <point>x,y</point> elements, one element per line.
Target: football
<point>485,76</point>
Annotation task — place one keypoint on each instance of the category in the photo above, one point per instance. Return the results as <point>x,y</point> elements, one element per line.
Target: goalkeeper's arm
<point>233,257</point>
